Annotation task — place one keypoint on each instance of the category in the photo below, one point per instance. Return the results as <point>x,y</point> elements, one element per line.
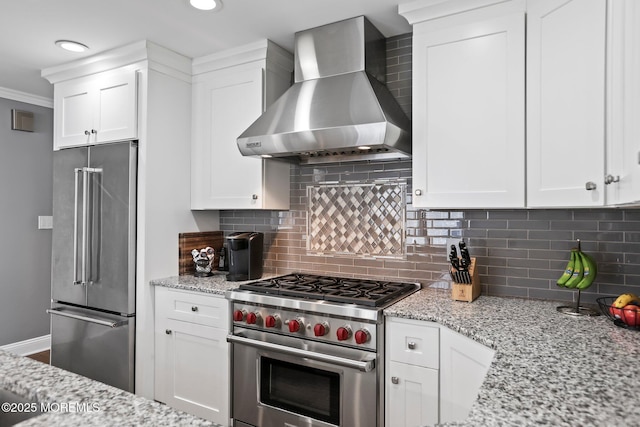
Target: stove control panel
<point>319,327</point>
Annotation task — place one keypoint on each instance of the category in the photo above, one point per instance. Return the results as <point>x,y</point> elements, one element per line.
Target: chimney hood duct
<point>338,108</point>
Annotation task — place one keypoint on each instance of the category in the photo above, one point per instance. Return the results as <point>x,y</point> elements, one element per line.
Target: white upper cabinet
<point>96,109</point>
<point>566,55</point>
<point>622,176</point>
<point>230,91</point>
<point>469,109</point>
<point>582,101</point>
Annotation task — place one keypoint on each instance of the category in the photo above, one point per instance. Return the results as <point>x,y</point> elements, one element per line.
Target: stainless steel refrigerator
<point>93,262</point>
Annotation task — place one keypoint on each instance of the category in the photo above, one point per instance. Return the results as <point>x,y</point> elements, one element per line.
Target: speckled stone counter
<point>549,369</point>
<point>75,400</point>
<point>216,284</point>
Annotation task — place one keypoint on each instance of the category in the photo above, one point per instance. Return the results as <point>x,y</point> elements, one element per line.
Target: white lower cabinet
<point>432,374</point>
<point>412,395</point>
<point>192,354</point>
<point>464,364</point>
<point>411,379</point>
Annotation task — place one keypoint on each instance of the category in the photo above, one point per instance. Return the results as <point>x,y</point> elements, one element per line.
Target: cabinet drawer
<point>413,342</point>
<point>194,307</point>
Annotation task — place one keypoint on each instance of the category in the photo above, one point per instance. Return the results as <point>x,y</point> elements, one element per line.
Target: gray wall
<point>25,251</point>
<point>521,253</point>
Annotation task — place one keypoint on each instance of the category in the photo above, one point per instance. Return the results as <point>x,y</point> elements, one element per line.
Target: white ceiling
<point>29,28</point>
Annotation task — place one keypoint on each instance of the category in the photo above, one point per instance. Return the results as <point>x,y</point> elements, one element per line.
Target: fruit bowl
<point>626,317</point>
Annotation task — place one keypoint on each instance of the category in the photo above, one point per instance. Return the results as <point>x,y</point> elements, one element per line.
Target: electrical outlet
<point>45,222</point>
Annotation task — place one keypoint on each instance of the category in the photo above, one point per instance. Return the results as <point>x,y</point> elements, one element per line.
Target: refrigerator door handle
<point>87,220</point>
<point>85,225</point>
<point>90,210</point>
<point>77,173</point>
<point>107,323</point>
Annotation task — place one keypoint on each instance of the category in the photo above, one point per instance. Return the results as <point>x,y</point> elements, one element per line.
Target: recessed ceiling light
<point>364,147</point>
<point>71,45</point>
<point>206,4</point>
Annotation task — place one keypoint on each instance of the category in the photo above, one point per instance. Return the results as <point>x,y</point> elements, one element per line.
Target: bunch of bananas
<point>580,272</point>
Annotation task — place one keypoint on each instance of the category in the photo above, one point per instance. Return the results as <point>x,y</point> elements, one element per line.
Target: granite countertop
<point>216,284</point>
<point>549,368</point>
<point>75,400</point>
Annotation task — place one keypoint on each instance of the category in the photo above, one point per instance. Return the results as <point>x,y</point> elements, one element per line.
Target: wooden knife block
<point>465,291</point>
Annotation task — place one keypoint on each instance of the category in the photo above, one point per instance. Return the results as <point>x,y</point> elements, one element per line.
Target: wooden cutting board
<point>197,240</point>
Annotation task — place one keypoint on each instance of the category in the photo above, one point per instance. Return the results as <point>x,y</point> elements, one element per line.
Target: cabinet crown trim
<point>277,57</point>
<point>426,10</point>
<point>28,98</point>
<point>158,57</point>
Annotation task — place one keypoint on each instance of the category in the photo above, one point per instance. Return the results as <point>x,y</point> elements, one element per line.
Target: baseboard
<point>30,346</point>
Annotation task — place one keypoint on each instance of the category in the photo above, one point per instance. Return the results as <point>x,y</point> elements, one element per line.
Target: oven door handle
<point>361,365</point>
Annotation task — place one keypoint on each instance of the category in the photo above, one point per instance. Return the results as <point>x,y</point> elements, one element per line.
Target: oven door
<point>279,383</point>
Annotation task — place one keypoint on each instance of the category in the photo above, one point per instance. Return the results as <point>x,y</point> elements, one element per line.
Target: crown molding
<point>28,98</point>
<point>258,51</point>
<point>157,57</point>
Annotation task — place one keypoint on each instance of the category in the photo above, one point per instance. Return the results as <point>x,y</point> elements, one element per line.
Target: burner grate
<point>371,293</point>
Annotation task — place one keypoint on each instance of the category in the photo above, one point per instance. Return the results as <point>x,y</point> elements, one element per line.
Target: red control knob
<point>272,321</point>
<point>252,318</point>
<point>321,329</point>
<point>362,336</point>
<point>343,333</point>
<point>294,326</point>
<point>238,315</point>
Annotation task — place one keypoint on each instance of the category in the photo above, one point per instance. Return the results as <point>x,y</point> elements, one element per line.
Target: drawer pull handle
<point>194,308</point>
<point>395,380</point>
<point>411,345</point>
<point>167,331</point>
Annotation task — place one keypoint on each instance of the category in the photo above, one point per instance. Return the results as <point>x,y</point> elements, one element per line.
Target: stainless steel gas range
<point>308,350</point>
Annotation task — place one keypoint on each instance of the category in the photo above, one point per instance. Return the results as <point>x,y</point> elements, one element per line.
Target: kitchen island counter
<point>549,368</point>
<point>74,400</point>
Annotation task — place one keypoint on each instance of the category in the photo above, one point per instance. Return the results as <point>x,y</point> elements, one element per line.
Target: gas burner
<point>365,292</point>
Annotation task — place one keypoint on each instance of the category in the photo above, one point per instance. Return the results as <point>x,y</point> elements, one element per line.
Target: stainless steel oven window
<point>303,390</point>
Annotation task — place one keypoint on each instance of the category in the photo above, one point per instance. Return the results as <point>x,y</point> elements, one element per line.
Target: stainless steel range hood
<point>338,108</point>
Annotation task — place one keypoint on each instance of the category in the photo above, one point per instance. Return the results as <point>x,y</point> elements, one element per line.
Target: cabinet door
<point>225,104</point>
<point>464,364</point>
<point>192,369</point>
<point>412,396</point>
<point>116,107</point>
<point>623,107</point>
<point>468,125</point>
<point>565,102</point>
<point>96,109</point>
<point>73,113</point>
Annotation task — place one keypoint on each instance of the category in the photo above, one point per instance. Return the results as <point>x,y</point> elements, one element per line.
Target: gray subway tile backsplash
<point>520,253</point>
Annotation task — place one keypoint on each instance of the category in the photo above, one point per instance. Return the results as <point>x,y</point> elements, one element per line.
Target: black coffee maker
<point>244,250</point>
